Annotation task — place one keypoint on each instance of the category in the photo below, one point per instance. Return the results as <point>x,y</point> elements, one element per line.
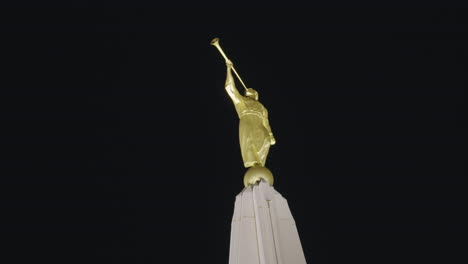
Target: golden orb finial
<point>256,173</point>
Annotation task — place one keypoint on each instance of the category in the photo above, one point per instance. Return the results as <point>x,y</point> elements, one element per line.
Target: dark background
<point>120,145</point>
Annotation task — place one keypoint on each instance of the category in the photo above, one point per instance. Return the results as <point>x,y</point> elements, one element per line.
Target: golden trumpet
<point>215,42</point>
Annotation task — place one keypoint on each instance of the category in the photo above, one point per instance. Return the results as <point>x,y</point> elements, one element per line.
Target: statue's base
<point>263,230</point>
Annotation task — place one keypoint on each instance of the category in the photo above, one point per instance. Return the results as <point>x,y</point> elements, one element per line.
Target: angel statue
<point>255,135</point>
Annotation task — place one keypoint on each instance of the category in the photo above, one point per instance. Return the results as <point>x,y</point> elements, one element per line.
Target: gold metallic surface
<point>215,42</point>
<point>255,135</point>
<point>256,173</point>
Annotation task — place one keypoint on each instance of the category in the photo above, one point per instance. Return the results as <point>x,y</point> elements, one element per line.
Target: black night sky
<point>120,144</point>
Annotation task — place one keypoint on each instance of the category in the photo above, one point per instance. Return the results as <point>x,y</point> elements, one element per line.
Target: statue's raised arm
<point>231,89</point>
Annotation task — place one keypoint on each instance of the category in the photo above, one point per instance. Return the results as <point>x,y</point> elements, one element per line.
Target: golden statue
<point>255,135</point>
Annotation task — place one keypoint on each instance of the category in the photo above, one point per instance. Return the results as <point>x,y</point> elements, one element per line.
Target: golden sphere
<point>256,173</point>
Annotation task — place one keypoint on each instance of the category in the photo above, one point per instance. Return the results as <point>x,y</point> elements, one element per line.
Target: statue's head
<point>251,93</point>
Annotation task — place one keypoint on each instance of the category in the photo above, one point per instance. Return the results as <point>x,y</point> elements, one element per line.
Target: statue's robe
<point>254,138</point>
<point>254,129</point>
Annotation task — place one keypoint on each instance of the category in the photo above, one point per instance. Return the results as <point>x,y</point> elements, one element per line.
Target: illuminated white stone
<point>263,230</point>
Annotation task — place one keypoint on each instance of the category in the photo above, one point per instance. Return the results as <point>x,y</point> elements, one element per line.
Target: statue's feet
<point>253,164</point>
